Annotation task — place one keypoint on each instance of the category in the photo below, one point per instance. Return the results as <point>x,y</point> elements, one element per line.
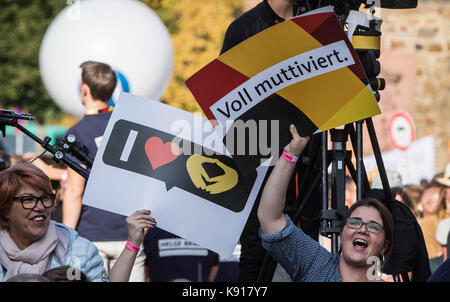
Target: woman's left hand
<point>138,224</point>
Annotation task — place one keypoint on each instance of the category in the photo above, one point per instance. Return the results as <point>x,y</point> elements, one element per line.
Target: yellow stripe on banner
<point>363,105</point>
<point>366,42</point>
<point>282,41</point>
<point>322,96</point>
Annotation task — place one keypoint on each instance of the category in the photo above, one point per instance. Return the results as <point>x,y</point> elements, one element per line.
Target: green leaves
<point>22,27</point>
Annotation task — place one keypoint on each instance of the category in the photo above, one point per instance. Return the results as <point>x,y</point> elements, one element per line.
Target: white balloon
<point>126,34</point>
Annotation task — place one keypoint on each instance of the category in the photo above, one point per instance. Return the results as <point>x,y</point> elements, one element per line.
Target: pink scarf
<point>33,259</point>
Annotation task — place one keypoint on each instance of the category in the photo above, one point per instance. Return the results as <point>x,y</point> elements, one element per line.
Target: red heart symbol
<point>160,154</point>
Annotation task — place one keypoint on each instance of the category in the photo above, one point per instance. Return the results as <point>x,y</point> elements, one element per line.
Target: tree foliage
<point>22,27</point>
<point>197,29</point>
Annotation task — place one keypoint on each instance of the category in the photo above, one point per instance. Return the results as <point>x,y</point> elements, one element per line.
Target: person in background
<point>172,258</point>
<point>429,224</point>
<point>32,243</point>
<point>395,183</point>
<point>411,194</point>
<point>442,235</point>
<point>397,187</point>
<point>105,229</point>
<point>430,200</point>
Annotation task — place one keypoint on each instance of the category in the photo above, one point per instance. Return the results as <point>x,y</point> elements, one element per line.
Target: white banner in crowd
<point>143,162</point>
<point>414,164</point>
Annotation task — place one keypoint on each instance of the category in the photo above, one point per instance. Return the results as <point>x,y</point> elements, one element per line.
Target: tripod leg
<point>380,164</point>
<point>359,161</point>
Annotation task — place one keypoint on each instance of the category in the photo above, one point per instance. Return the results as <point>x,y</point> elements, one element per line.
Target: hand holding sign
<point>137,225</point>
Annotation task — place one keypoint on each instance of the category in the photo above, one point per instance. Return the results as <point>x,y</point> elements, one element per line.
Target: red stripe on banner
<point>331,31</point>
<point>312,22</point>
<point>326,29</point>
<point>213,82</point>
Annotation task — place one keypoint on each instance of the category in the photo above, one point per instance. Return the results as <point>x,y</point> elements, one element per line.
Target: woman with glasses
<point>366,235</point>
<point>32,243</point>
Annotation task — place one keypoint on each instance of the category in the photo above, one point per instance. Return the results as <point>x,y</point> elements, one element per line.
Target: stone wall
<point>420,38</point>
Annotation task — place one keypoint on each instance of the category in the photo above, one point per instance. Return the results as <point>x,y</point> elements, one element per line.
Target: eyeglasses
<point>357,223</point>
<point>29,202</point>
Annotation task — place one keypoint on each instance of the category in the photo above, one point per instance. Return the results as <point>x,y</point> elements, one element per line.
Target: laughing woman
<point>31,243</point>
<point>366,235</point>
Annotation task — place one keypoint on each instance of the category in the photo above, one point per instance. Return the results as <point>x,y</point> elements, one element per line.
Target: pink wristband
<point>288,157</point>
<point>132,247</point>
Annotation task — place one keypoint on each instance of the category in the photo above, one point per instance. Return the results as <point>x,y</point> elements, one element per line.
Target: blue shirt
<point>95,224</point>
<point>303,258</point>
<point>172,258</point>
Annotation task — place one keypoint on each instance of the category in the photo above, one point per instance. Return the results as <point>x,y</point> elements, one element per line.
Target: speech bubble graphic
<point>212,177</point>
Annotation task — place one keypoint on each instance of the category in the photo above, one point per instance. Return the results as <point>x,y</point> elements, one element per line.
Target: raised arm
<point>270,211</point>
<point>137,224</point>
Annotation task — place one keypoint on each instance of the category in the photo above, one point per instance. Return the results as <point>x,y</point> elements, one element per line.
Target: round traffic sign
<point>401,130</point>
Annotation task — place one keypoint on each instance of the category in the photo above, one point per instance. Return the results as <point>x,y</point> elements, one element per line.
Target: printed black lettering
<point>283,72</point>
<point>242,98</point>
<point>322,60</point>
<point>280,80</point>
<point>308,69</point>
<point>336,53</point>
<point>228,110</point>
<point>263,86</point>
<point>234,107</point>
<point>248,96</point>
<point>314,63</point>
<point>298,68</point>
<point>329,60</point>
<point>291,69</point>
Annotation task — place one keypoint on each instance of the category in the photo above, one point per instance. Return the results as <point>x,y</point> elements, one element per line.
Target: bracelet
<point>288,157</point>
<point>132,247</point>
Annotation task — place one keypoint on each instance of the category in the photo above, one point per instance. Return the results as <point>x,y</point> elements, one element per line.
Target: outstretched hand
<point>297,144</point>
<point>138,224</point>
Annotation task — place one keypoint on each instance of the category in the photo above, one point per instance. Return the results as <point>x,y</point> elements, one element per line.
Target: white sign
<point>130,173</point>
<point>414,164</point>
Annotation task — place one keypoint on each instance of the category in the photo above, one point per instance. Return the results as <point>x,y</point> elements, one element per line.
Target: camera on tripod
<point>363,30</point>
<point>68,145</point>
<point>80,151</point>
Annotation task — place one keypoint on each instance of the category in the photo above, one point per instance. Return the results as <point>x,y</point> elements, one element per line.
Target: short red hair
<point>20,174</point>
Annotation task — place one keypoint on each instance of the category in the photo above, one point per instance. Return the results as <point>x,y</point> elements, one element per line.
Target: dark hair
<point>27,277</point>
<point>100,78</point>
<point>13,178</point>
<point>66,274</point>
<point>386,217</point>
<point>442,203</point>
